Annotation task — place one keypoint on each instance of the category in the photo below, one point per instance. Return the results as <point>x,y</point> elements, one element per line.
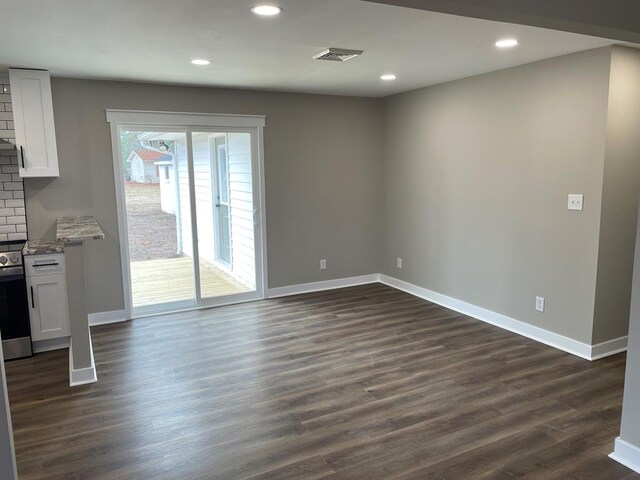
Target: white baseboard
<point>608,348</point>
<point>320,286</point>
<point>104,318</point>
<point>626,454</point>
<point>583,350</point>
<point>82,376</point>
<point>48,345</point>
<point>541,335</point>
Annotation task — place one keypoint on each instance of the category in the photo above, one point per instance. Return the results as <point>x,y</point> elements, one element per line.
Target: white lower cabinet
<point>47,292</point>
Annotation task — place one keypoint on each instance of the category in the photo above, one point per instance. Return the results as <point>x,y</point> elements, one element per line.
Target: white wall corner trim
<point>608,348</point>
<point>626,454</point>
<point>324,285</point>
<point>516,326</point>
<point>104,318</point>
<point>82,376</point>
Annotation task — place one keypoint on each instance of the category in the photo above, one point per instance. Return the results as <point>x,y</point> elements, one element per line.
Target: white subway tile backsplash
<point>16,220</point>
<point>9,168</point>
<point>15,203</point>
<point>13,222</point>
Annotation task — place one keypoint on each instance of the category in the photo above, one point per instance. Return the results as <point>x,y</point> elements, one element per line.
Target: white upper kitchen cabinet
<point>33,120</point>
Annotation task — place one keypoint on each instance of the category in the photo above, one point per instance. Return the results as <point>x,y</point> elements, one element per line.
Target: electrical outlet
<point>540,304</point>
<point>575,201</point>
<point>399,262</point>
<point>323,264</point>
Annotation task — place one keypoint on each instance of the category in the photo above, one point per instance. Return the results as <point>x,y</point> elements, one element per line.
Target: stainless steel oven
<point>14,307</point>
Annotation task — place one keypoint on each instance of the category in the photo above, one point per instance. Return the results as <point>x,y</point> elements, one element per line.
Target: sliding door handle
<point>22,155</point>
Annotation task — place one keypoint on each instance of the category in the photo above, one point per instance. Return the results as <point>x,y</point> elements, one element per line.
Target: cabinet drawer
<point>36,265</point>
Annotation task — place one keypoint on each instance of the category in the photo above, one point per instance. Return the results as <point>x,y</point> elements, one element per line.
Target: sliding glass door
<point>224,212</point>
<point>191,198</point>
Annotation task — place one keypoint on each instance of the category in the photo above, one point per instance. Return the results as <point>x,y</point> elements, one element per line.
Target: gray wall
<point>630,431</point>
<point>620,188</point>
<point>476,176</point>
<point>322,160</point>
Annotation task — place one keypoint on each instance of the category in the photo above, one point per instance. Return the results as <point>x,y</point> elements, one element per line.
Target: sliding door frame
<point>189,123</point>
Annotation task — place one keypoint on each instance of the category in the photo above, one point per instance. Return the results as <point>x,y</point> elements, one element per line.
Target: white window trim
<point>185,119</point>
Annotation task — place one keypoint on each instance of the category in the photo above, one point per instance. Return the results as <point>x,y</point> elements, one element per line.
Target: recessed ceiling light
<point>388,77</point>
<point>507,43</point>
<point>266,10</point>
<point>198,61</point>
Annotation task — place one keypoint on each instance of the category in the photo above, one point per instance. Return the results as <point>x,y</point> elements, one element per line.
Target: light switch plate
<point>575,201</point>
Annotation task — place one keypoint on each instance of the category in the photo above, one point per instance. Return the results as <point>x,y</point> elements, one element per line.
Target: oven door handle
<point>11,274</point>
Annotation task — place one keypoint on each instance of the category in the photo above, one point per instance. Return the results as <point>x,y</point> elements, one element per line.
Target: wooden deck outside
<point>170,280</point>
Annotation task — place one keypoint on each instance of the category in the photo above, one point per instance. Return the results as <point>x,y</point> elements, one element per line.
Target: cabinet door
<point>48,308</point>
<point>33,120</point>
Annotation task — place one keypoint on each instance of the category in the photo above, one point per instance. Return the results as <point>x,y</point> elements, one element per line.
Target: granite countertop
<point>78,229</point>
<point>42,247</point>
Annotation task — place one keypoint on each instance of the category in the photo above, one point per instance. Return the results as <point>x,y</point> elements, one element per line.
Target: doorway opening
<point>190,199</point>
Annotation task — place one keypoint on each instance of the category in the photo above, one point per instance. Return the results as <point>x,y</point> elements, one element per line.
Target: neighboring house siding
<point>202,164</point>
<point>167,189</point>
<point>241,203</point>
<point>137,169</point>
<point>150,173</point>
<point>184,213</point>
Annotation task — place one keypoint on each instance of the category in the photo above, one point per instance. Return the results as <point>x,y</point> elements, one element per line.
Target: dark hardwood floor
<point>360,383</point>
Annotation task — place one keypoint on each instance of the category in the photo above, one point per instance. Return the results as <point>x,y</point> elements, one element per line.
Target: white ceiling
<point>154,41</point>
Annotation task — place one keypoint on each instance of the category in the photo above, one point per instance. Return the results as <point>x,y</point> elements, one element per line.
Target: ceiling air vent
<point>337,54</point>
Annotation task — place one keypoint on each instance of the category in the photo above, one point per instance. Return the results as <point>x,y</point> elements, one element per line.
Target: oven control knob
<point>14,259</point>
<point>3,260</point>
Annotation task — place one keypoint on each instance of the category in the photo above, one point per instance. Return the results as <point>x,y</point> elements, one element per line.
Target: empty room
<point>320,240</point>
